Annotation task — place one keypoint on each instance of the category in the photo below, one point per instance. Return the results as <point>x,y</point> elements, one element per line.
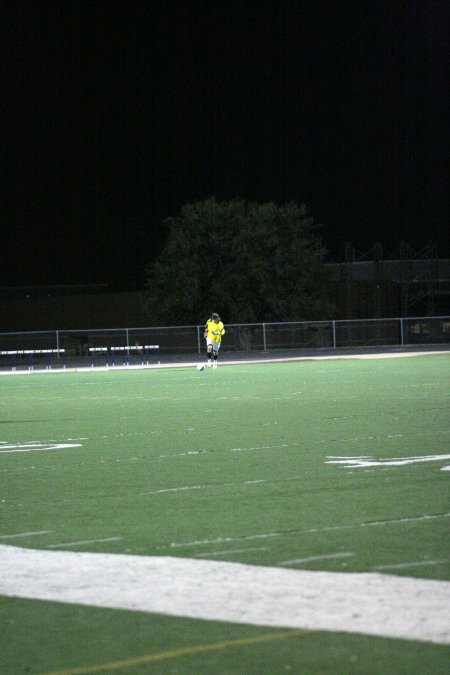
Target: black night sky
<point>117,113</point>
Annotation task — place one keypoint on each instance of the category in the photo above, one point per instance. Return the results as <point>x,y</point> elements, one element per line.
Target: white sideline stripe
<point>80,543</point>
<point>419,563</point>
<point>265,535</point>
<point>329,556</point>
<point>25,534</point>
<point>228,552</point>
<point>370,603</point>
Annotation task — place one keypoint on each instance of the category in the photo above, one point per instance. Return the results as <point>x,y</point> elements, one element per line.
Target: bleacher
<point>107,356</point>
<point>31,356</point>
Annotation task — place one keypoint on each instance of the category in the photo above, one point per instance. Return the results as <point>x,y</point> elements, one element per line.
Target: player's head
<point>215,316</point>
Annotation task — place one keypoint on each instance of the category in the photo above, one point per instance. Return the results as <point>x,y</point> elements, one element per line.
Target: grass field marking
<point>208,554</point>
<point>183,488</point>
<point>25,534</point>
<point>371,413</point>
<point>288,533</point>
<point>201,542</point>
<point>201,452</point>
<point>346,457</point>
<point>358,462</point>
<point>81,543</point>
<point>38,446</point>
<point>385,605</point>
<point>418,563</point>
<point>312,558</point>
<point>182,651</point>
<point>422,384</point>
<point>209,486</point>
<point>334,440</point>
<point>265,447</point>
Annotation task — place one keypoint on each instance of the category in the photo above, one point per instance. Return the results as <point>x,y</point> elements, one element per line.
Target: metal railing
<point>75,347</point>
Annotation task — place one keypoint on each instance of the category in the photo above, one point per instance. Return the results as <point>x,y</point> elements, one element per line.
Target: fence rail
<point>76,347</point>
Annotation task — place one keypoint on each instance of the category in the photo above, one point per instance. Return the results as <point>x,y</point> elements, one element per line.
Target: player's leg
<point>209,349</point>
<point>215,353</point>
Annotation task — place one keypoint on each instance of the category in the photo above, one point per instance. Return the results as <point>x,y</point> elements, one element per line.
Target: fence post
<point>198,340</point>
<point>401,332</point>
<point>127,338</point>
<point>334,334</point>
<point>57,344</point>
<point>264,337</point>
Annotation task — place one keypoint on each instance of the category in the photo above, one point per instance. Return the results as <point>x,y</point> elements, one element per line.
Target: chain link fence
<point>142,346</point>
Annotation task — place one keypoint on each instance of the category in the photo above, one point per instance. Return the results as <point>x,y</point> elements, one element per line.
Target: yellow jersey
<point>214,330</point>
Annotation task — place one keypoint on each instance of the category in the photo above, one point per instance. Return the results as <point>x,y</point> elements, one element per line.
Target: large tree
<point>249,262</point>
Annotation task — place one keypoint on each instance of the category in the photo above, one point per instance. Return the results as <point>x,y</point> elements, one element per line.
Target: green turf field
<point>334,465</point>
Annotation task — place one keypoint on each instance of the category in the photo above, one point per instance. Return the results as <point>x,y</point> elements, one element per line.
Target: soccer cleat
<point>209,364</point>
<point>215,364</point>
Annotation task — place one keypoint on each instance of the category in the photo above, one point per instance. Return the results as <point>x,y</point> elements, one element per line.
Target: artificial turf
<point>246,463</point>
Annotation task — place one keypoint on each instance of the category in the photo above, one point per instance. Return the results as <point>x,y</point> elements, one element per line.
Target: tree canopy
<point>250,262</point>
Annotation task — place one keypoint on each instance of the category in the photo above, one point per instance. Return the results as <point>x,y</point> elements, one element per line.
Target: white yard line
<point>184,488</point>
<point>326,528</point>
<point>82,543</point>
<point>370,604</point>
<point>418,563</point>
<point>230,551</point>
<point>25,534</point>
<point>312,558</point>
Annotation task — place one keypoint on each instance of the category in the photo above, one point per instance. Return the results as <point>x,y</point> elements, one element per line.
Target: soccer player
<point>213,333</point>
